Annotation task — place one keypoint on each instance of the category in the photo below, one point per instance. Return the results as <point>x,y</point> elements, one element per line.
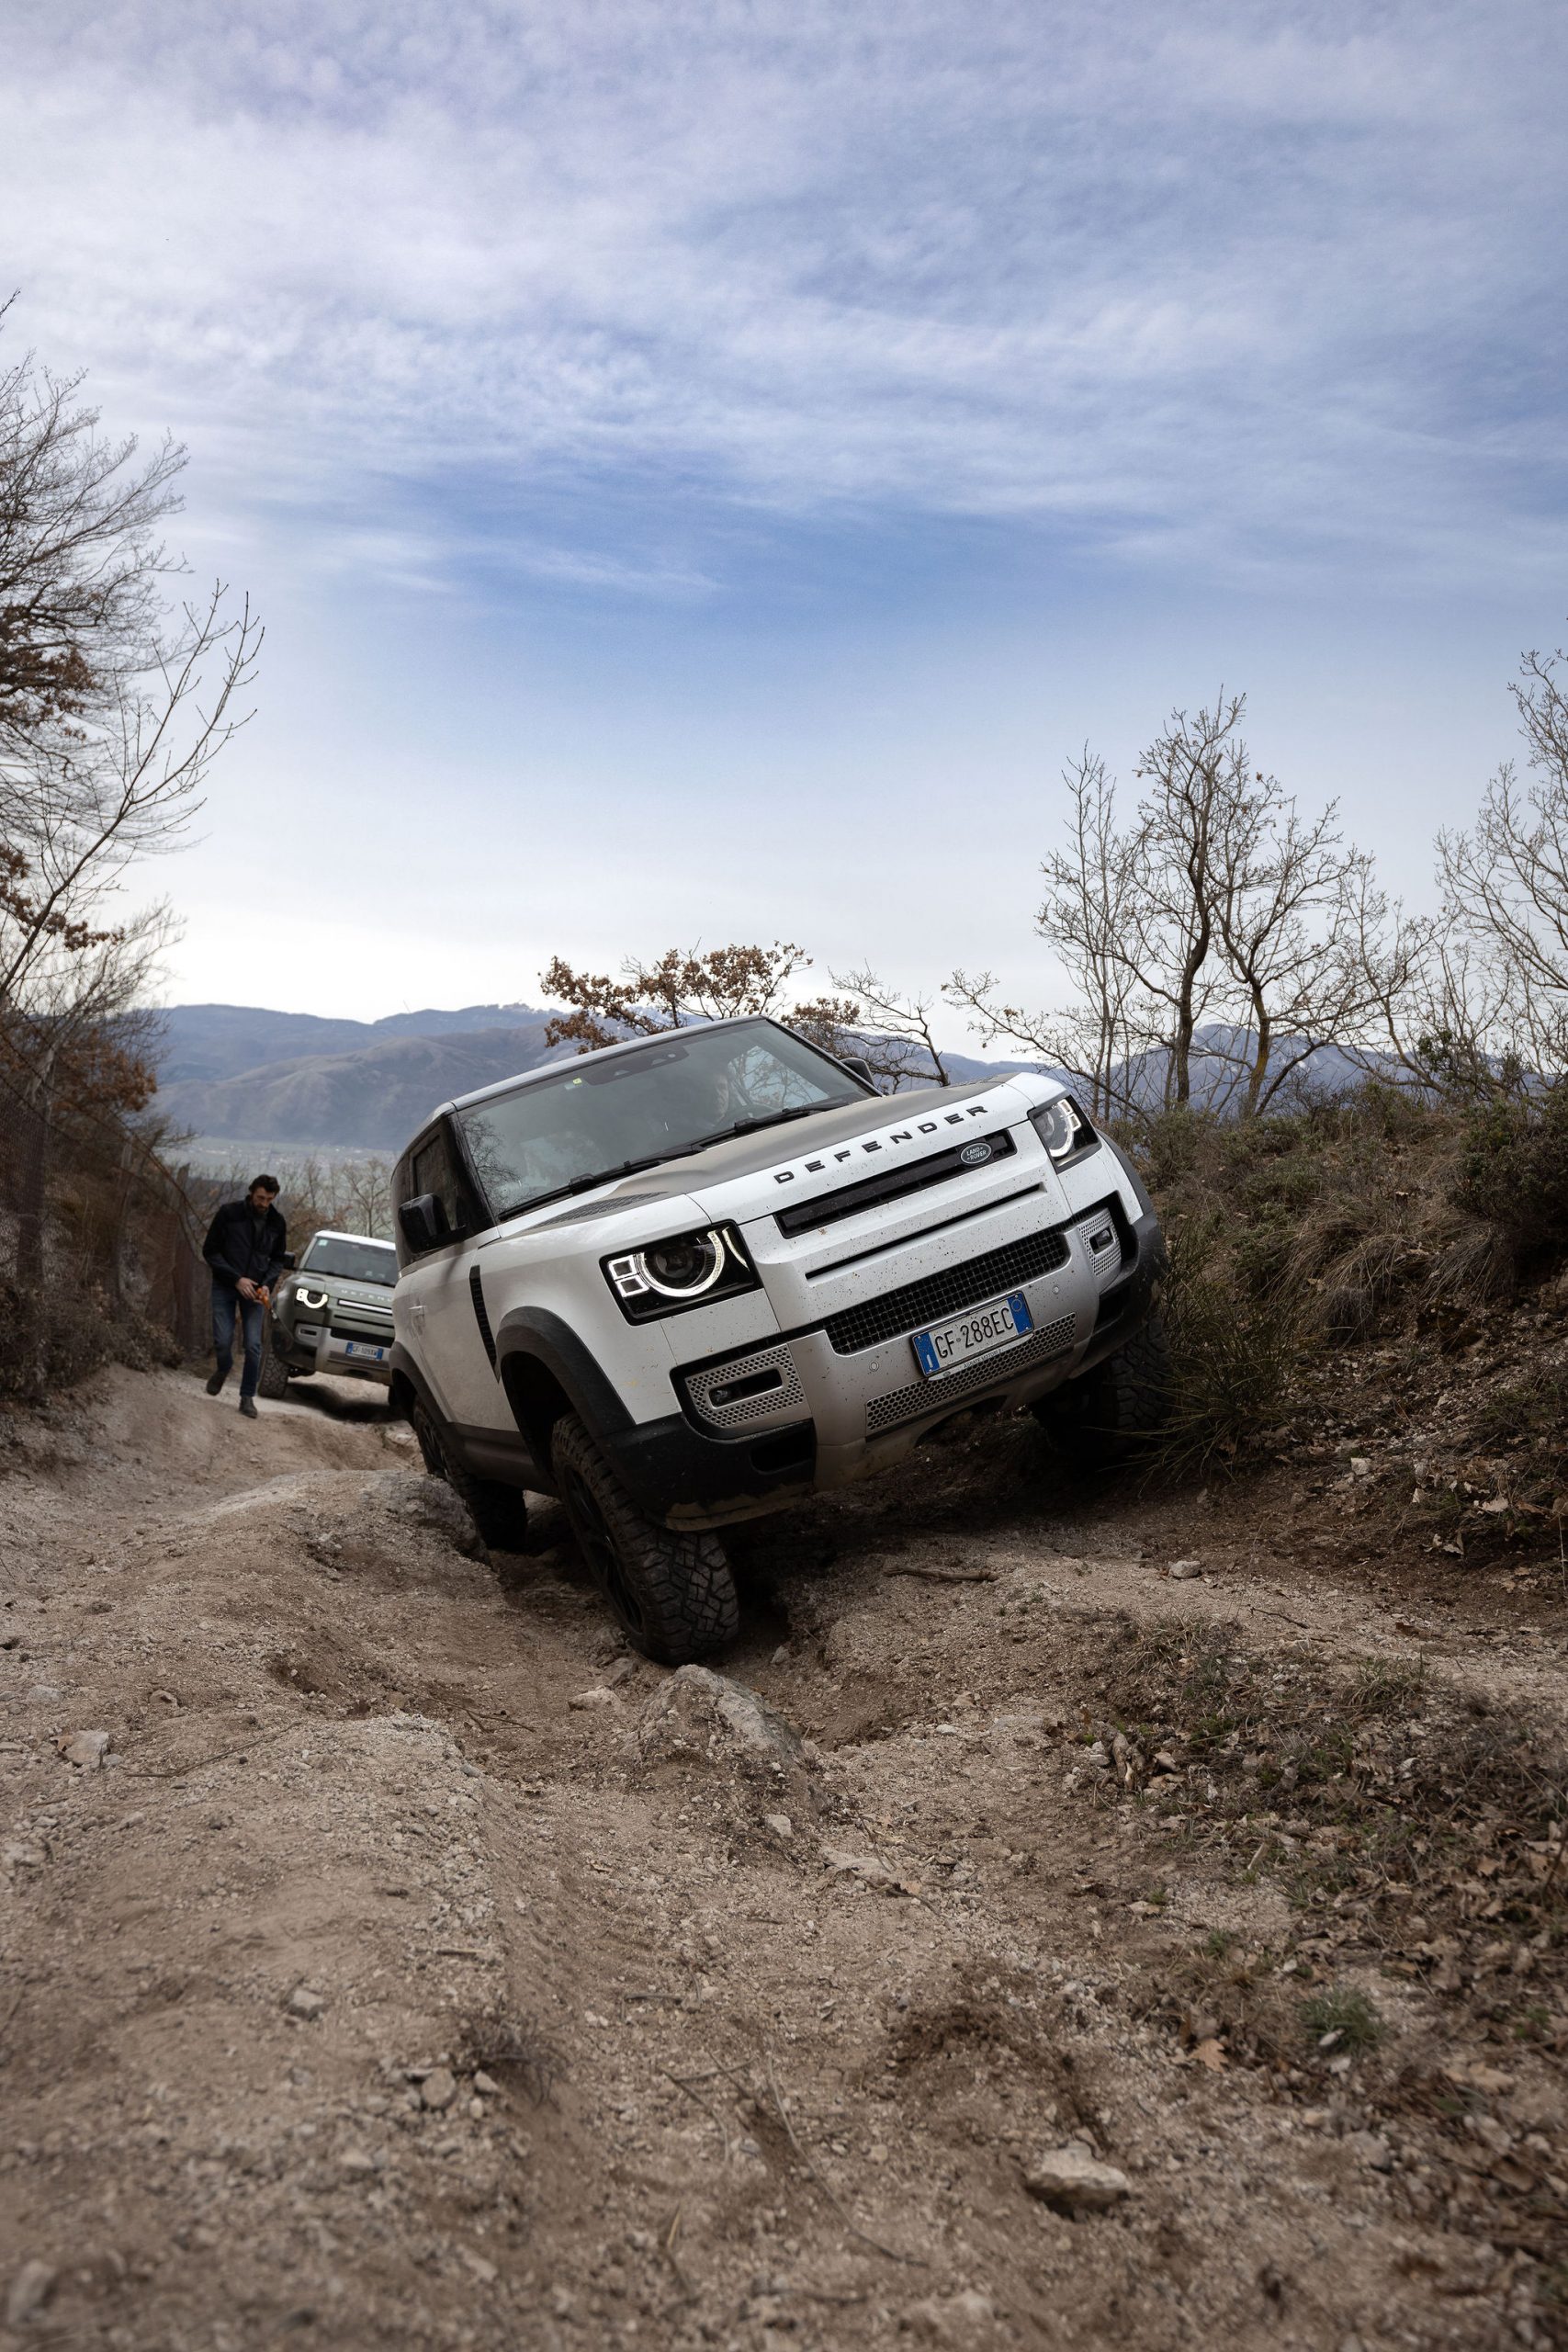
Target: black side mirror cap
<point>858,1066</point>
<point>290,1260</point>
<point>424,1223</point>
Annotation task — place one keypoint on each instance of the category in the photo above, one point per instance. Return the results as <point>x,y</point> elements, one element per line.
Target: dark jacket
<point>239,1246</point>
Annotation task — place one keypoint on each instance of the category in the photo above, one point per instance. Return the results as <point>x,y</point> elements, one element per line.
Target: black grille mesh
<point>990,1371</point>
<point>956,1288</point>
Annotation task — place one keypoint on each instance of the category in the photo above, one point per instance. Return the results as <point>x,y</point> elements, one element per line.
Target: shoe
<point>216,1383</point>
<point>248,1407</point>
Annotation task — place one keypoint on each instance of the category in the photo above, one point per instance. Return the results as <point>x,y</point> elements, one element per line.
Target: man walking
<point>244,1248</point>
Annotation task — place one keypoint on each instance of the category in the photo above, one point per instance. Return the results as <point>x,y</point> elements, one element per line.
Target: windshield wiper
<point>587,1183</point>
<point>772,1119</point>
<point>675,1151</point>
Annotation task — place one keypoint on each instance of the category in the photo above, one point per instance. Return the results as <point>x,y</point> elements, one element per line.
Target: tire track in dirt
<point>604,2054</point>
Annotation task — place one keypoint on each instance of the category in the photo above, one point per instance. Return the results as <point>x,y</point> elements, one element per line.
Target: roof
<point>332,1233</point>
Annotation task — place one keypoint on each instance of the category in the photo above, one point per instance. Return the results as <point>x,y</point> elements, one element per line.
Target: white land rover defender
<point>699,1276</point>
<point>333,1313</point>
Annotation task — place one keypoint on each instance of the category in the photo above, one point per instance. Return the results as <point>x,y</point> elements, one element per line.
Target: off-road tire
<point>1112,1414</point>
<point>498,1511</point>
<point>672,1593</point>
<point>272,1380</point>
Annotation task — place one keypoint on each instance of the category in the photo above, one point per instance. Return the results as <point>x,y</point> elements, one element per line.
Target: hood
<point>807,1156</point>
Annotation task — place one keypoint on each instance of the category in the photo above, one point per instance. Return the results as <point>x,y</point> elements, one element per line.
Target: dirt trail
<point>421,1968</point>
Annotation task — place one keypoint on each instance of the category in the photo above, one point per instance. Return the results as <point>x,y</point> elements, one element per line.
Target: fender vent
<point>476,1292</point>
<point>751,1388</point>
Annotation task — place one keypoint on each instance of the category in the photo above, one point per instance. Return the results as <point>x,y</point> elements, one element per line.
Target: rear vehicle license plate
<point>947,1345</point>
<point>363,1348</point>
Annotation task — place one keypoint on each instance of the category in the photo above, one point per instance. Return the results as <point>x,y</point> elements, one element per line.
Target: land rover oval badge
<point>975,1155</point>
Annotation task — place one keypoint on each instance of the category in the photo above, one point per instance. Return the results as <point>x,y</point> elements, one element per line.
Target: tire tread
<point>683,1579</point>
<point>498,1511</point>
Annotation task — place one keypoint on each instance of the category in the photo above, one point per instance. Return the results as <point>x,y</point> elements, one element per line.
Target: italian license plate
<point>363,1348</point>
<point>947,1345</point>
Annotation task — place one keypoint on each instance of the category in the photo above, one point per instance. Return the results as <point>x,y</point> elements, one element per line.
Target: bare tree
<point>1088,917</point>
<point>1305,933</point>
<point>1216,921</point>
<point>112,709</point>
<point>890,1031</point>
<point>1196,776</point>
<point>1505,957</point>
<point>684,986</point>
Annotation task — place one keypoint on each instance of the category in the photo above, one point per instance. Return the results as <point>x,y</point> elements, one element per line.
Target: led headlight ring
<point>1062,1127</point>
<point>687,1267</point>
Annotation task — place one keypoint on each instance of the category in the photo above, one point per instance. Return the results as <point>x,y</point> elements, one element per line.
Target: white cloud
<point>1202,282</point>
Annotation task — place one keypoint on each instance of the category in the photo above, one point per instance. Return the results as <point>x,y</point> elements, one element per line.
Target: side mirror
<point>424,1223</point>
<point>290,1260</point>
<point>859,1066</point>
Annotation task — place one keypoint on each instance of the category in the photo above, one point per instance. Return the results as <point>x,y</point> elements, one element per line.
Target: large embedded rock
<point>701,1719</point>
<point>1073,2182</point>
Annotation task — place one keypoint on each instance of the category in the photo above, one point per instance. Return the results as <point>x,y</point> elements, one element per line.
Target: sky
<point>704,470</point>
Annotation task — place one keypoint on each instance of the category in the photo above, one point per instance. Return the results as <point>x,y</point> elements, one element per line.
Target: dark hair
<point>266,1183</point>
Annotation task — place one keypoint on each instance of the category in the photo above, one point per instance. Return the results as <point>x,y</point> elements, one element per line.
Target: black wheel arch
<point>548,1373</point>
<point>483,1454</point>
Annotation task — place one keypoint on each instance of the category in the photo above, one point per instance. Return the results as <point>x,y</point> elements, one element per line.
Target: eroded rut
<point>422,1968</point>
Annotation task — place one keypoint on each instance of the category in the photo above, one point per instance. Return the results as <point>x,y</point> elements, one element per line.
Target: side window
<point>432,1165</point>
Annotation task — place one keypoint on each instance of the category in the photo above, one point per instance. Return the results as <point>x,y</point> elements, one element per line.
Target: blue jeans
<point>226,1305</point>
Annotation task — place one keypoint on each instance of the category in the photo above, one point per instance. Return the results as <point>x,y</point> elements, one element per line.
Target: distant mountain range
<point>212,1041</point>
<point>294,1079</point>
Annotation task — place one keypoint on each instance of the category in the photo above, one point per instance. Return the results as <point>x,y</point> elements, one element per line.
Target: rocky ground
<point>1070,1920</point>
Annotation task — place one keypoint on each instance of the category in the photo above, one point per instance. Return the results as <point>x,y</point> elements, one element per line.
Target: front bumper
<point>317,1348</point>
<point>814,1410</point>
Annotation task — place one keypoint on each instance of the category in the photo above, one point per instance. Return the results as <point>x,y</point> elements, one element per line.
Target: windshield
<point>593,1117</point>
<point>354,1262</point>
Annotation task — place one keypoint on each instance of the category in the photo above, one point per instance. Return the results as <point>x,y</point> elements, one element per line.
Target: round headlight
<point>1056,1127</point>
<point>312,1301</point>
<point>683,1267</point>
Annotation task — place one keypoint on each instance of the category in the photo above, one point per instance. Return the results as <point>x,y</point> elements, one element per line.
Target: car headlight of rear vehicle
<point>312,1301</point>
<point>1063,1129</point>
<point>689,1270</point>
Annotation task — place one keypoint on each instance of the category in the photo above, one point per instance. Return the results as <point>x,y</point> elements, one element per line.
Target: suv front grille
<point>956,1288</point>
<point>354,1319</point>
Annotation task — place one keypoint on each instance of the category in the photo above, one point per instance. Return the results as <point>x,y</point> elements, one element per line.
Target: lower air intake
<point>748,1389</point>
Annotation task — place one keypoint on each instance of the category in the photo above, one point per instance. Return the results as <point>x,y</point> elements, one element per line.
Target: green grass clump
<point>1341,2009</point>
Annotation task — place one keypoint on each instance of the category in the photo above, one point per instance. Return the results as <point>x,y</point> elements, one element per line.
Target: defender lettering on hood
<point>881,1143</point>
